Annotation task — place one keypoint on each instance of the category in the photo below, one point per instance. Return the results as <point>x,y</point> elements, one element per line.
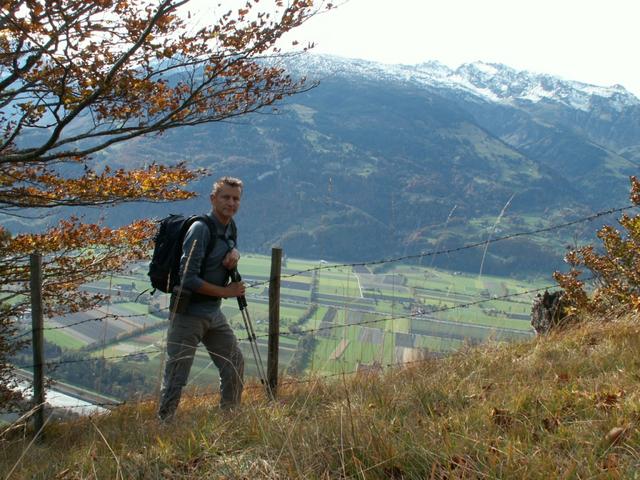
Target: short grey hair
<point>231,181</point>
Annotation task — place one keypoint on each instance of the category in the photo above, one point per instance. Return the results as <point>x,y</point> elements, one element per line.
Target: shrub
<point>615,269</point>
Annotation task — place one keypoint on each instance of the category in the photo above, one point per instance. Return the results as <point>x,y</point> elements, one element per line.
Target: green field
<point>64,339</point>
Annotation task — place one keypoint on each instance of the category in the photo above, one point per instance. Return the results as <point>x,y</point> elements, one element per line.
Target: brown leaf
<point>608,399</point>
<point>63,474</point>
<point>550,423</point>
<point>615,435</point>
<point>611,462</point>
<point>458,462</point>
<point>501,417</point>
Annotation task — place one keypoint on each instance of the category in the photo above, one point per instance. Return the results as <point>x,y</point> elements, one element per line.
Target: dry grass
<point>566,406</point>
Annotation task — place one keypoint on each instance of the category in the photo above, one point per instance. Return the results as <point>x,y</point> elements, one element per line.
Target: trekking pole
<point>242,304</point>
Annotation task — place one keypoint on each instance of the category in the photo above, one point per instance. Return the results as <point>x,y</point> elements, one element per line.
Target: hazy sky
<point>594,41</point>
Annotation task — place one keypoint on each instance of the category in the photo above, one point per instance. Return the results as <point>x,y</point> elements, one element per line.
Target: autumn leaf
<point>501,417</point>
<point>616,268</point>
<point>615,435</point>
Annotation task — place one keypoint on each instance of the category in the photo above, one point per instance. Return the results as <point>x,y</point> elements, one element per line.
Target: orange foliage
<point>129,68</point>
<point>616,270</point>
<point>81,76</point>
<point>29,186</point>
<point>73,253</point>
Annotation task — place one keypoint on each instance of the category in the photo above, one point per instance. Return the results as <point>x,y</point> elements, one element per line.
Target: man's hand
<point>235,289</point>
<point>231,259</point>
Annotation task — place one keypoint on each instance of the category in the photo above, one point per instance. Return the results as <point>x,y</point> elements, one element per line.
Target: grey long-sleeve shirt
<point>193,254</point>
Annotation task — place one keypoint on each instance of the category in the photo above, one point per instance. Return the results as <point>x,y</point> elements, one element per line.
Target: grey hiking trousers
<point>185,333</point>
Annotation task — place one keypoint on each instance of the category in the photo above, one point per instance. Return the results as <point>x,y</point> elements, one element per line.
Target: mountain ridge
<point>492,81</point>
<point>369,166</point>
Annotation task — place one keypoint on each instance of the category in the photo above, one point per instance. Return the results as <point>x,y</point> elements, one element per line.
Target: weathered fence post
<point>37,341</point>
<point>549,312</point>
<point>274,320</point>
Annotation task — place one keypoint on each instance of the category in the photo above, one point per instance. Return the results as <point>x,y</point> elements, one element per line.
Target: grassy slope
<point>547,408</point>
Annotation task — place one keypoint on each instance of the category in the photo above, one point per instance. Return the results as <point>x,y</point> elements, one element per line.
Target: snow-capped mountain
<point>490,81</point>
<point>388,160</point>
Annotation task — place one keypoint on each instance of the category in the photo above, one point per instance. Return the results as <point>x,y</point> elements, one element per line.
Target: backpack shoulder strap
<point>212,236</point>
<point>213,231</point>
<point>234,232</point>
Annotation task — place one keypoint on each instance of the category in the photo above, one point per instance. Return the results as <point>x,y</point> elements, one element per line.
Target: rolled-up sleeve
<point>194,249</point>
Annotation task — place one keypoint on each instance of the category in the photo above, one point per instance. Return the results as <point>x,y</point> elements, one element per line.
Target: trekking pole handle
<point>235,277</point>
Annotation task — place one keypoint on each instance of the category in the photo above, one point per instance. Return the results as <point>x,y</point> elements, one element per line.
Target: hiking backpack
<point>164,269</point>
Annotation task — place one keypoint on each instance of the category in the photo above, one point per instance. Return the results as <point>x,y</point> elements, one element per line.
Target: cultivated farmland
<point>349,318</point>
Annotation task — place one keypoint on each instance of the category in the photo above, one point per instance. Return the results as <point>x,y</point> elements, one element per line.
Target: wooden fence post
<point>274,320</point>
<point>37,342</point>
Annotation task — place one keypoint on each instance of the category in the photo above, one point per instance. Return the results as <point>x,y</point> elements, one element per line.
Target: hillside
<point>388,160</point>
<point>565,406</point>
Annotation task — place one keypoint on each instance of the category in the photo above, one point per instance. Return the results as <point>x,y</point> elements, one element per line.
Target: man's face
<point>226,202</point>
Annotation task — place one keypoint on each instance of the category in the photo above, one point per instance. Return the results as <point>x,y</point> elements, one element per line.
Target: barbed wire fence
<point>449,251</point>
<point>302,332</point>
<point>135,354</point>
<point>366,263</point>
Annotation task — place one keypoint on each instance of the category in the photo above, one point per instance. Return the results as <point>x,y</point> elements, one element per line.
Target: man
<point>203,321</point>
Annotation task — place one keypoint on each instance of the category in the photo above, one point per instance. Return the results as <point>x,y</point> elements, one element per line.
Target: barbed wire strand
<point>315,330</point>
<point>88,320</point>
<point>378,262</point>
<point>86,360</point>
<point>456,249</point>
<point>412,315</point>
